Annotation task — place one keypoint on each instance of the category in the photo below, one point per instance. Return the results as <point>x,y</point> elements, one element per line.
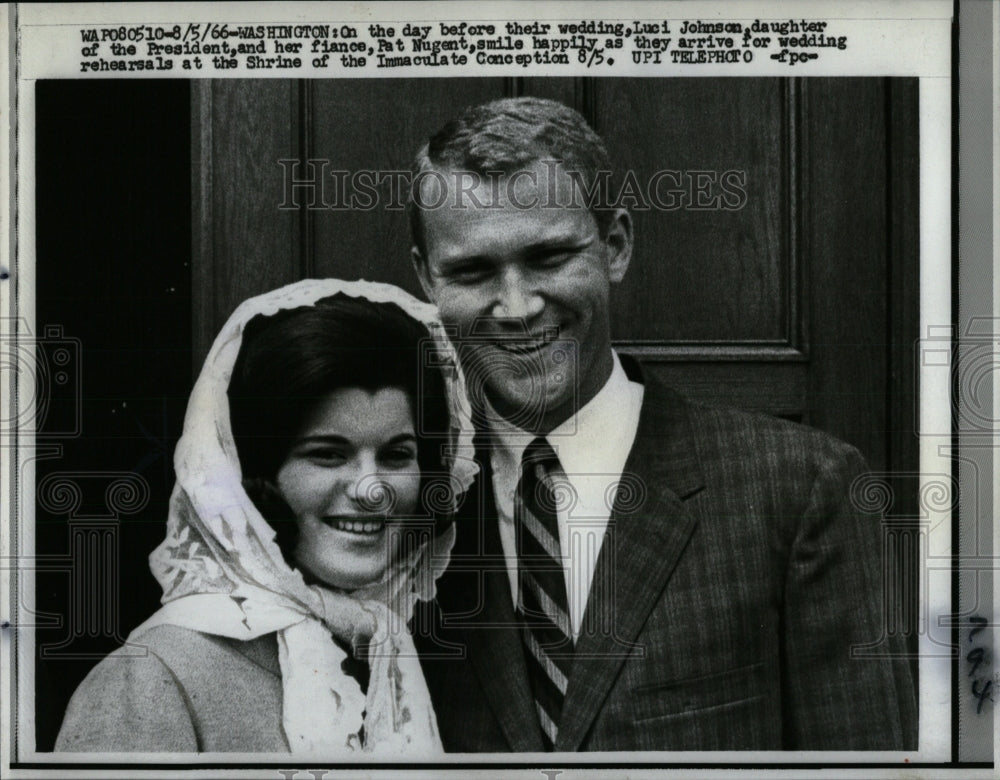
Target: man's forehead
<point>548,183</point>
<point>458,236</point>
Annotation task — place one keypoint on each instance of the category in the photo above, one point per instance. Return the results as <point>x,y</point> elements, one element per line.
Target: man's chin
<point>532,406</point>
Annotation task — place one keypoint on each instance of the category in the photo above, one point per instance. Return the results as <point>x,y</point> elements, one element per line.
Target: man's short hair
<point>511,134</point>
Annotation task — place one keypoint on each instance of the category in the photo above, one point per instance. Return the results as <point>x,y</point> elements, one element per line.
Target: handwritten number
<point>979,623</point>
<point>976,656</point>
<point>983,694</point>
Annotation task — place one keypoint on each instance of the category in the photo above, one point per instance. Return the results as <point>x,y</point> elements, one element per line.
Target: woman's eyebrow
<point>325,438</point>
<point>402,437</point>
<point>333,438</point>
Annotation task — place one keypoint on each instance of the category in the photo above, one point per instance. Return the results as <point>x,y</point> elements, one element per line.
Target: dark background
<point>113,172</point>
<point>157,212</point>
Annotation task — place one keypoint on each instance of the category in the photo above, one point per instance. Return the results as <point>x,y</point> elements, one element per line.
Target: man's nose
<point>516,298</point>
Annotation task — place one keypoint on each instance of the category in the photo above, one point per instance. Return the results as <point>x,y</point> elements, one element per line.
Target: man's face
<point>526,281</point>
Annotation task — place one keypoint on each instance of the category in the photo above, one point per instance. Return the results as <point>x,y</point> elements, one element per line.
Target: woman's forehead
<point>361,415</point>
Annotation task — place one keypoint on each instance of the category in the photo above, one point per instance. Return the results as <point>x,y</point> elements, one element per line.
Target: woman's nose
<point>368,491</point>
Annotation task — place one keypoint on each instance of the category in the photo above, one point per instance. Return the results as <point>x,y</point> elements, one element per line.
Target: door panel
<point>719,269</point>
<point>796,298</point>
<point>377,126</point>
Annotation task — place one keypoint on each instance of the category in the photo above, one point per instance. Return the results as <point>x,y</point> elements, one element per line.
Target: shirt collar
<point>582,441</point>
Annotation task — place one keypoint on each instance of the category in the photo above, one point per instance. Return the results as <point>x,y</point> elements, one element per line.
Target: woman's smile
<point>367,526</point>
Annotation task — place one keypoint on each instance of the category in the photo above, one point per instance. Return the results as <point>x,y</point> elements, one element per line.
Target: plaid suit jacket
<point>729,592</point>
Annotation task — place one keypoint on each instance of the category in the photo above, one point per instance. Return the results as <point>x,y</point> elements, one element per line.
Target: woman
<point>311,510</point>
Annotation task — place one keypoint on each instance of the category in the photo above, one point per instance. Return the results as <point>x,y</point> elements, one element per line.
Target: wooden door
<point>797,297</point>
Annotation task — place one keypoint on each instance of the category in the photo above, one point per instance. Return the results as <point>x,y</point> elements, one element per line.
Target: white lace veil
<point>222,572</point>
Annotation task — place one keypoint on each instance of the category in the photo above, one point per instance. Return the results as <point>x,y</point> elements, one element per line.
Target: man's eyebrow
<point>455,260</point>
<point>558,242</point>
<point>542,245</point>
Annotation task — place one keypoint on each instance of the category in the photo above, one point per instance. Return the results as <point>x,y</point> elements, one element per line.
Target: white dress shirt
<point>593,447</point>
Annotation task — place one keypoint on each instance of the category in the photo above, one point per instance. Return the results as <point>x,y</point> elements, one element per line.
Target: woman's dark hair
<point>292,360</point>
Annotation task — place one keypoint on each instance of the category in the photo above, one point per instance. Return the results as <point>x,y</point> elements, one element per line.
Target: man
<point>632,571</point>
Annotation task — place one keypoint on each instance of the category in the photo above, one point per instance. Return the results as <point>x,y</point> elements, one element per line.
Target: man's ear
<point>619,244</point>
<point>422,271</point>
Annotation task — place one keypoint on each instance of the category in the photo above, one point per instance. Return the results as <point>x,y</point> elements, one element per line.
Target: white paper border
<point>928,58</point>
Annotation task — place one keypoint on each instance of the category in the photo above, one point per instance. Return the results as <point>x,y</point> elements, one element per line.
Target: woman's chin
<point>342,580</point>
<point>345,559</point>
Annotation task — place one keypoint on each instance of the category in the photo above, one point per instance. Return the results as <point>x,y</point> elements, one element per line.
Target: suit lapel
<point>645,540</point>
<point>485,618</point>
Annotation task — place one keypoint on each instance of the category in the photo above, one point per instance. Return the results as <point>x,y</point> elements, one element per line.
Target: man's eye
<point>470,273</point>
<point>551,259</point>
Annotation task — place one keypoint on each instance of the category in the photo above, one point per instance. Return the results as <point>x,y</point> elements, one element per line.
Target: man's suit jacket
<point>732,584</point>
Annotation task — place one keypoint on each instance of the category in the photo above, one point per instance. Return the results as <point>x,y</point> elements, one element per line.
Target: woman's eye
<point>325,456</point>
<point>399,456</point>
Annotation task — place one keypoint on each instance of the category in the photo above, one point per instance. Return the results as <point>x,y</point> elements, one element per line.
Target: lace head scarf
<point>222,573</point>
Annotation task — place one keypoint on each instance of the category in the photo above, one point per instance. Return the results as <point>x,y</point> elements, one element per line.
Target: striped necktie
<point>541,595</point>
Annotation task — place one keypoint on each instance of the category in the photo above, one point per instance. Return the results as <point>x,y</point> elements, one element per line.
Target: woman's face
<point>350,471</point>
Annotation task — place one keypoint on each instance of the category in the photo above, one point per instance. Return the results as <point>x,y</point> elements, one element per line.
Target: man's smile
<point>522,346</point>
<point>525,343</point>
